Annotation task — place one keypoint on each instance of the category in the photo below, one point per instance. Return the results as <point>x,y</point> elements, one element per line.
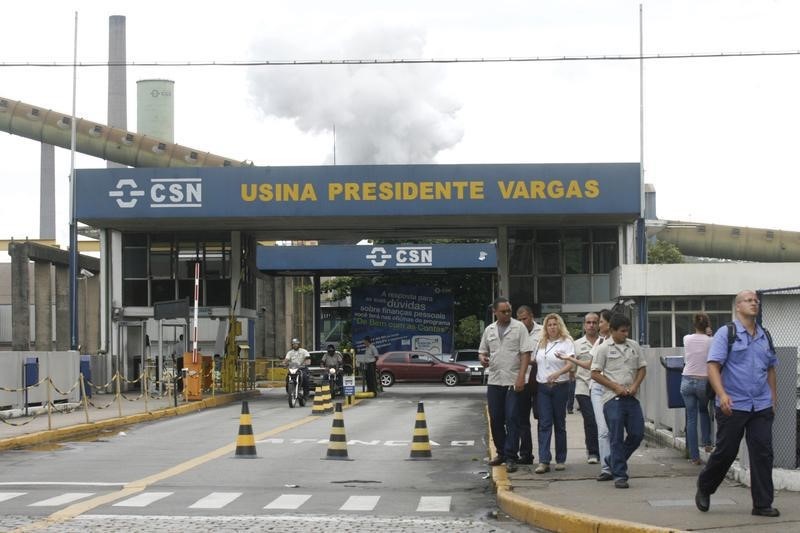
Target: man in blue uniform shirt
<point>744,380</point>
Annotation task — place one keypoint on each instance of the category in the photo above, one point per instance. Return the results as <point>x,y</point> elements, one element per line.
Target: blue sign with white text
<point>328,258</point>
<point>242,193</point>
<point>403,318</point>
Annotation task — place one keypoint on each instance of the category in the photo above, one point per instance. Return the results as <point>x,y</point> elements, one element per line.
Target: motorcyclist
<point>300,357</point>
<point>333,359</point>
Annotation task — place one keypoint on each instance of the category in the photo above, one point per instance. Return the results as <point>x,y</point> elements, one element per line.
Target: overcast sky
<point>721,134</point>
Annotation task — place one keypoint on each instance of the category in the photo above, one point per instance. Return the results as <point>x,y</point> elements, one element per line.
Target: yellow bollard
<point>245,441</point>
<point>337,445</point>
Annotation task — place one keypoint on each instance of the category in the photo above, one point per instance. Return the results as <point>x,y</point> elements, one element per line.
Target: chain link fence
<point>780,309</point>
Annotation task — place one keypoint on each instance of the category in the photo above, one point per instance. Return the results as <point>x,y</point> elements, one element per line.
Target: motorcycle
<point>334,381</point>
<point>294,385</point>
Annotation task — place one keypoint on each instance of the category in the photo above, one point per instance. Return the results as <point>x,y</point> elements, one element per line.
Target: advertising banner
<point>403,318</point>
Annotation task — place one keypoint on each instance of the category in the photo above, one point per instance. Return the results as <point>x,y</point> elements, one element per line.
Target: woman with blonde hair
<point>552,376</point>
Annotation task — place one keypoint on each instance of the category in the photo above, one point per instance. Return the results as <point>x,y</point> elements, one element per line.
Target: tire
<point>301,400</point>
<point>292,400</point>
<point>451,379</point>
<point>387,379</point>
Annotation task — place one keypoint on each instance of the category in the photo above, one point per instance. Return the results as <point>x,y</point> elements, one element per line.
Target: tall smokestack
<point>117,95</point>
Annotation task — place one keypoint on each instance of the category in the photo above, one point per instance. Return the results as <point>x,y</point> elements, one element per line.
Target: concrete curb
<point>552,518</point>
<point>69,432</point>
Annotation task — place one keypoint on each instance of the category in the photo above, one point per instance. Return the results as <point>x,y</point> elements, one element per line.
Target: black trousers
<point>526,403</point>
<point>756,426</point>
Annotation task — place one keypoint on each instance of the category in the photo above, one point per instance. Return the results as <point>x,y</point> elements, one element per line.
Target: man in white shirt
<point>506,349</point>
<point>299,356</point>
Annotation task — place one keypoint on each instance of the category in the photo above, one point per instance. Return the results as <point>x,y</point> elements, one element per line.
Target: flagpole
<point>73,232</point>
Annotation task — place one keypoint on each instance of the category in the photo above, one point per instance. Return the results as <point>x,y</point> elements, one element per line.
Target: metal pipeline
<point>728,242</point>
<point>99,140</point>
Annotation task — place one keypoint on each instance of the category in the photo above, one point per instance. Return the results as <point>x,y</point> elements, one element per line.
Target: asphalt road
<point>182,474</point>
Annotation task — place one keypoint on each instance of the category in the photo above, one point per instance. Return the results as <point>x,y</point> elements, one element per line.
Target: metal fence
<point>780,309</point>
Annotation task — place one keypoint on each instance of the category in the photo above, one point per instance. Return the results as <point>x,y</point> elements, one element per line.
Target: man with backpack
<point>742,374</point>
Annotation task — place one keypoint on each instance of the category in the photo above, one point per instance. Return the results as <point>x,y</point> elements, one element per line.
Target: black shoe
<point>605,476</point>
<point>703,501</point>
<point>497,461</point>
<point>765,511</point>
<point>569,411</point>
<point>511,466</point>
<point>526,461</point>
<point>621,483</point>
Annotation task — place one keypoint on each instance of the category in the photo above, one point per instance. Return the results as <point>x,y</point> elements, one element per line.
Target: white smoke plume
<point>383,114</point>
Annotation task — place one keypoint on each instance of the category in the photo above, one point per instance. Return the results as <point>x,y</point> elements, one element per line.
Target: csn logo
<point>404,256</point>
<point>162,193</point>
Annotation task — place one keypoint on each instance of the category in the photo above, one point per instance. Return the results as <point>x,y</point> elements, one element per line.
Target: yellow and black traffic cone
<point>245,442</point>
<point>420,444</point>
<point>337,447</point>
<point>327,404</point>
<point>318,409</point>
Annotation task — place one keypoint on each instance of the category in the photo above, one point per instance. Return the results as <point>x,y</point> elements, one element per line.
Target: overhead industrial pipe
<point>92,138</point>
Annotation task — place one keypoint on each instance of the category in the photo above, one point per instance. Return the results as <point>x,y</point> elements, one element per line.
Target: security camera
<point>86,274</point>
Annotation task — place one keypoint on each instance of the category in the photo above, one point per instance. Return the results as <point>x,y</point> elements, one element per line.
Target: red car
<point>419,366</point>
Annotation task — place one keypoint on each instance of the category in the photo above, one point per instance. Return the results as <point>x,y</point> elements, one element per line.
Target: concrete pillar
<point>281,329</point>
<point>47,192</point>
<point>20,299</point>
<point>43,311</point>
<point>62,308</point>
<point>502,261</point>
<point>91,338</point>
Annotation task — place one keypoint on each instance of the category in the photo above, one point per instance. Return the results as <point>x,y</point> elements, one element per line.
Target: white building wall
<point>701,279</point>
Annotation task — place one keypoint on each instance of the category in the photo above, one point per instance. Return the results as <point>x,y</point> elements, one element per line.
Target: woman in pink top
<point>693,386</point>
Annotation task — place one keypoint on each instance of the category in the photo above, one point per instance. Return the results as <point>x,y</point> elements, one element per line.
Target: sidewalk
<point>660,497</point>
<point>68,421</point>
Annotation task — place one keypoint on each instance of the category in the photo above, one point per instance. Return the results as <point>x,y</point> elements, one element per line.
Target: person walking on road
<point>744,379</point>
<point>506,349</point>
<point>596,393</point>
<point>552,377</point>
<point>693,387</point>
<point>527,398</point>
<point>583,376</point>
<point>619,365</point>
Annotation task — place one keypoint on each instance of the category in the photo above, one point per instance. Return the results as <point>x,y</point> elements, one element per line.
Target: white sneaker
<point>592,460</point>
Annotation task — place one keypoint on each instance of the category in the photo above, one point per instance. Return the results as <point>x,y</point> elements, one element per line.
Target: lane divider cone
<point>245,441</point>
<point>337,446</point>
<point>327,404</point>
<point>420,444</point>
<point>318,409</point>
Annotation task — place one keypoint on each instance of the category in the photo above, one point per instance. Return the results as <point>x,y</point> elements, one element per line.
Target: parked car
<point>419,366</point>
<point>470,359</point>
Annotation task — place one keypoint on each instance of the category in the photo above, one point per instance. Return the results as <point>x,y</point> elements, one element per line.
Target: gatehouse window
<point>561,265</point>
<point>160,266</point>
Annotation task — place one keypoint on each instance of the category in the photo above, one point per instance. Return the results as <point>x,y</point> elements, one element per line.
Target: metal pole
<point>119,394</point>
<point>49,405</point>
<point>83,392</point>
<point>73,231</point>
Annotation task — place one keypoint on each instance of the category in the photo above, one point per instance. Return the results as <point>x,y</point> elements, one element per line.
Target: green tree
<point>468,332</point>
<point>662,252</point>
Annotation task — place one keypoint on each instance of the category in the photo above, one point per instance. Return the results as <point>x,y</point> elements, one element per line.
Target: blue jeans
<point>596,393</point>
<point>552,403</point>
<point>623,415</point>
<point>693,391</point>
<point>502,402</point>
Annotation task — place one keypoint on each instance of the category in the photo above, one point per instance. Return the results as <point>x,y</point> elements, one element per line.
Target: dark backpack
<point>731,339</point>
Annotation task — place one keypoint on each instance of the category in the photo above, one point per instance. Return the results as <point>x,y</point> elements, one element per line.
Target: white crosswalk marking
<point>360,503</point>
<point>143,500</point>
<point>435,504</point>
<point>67,497</point>
<point>215,500</point>
<point>4,496</point>
<point>288,501</point>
